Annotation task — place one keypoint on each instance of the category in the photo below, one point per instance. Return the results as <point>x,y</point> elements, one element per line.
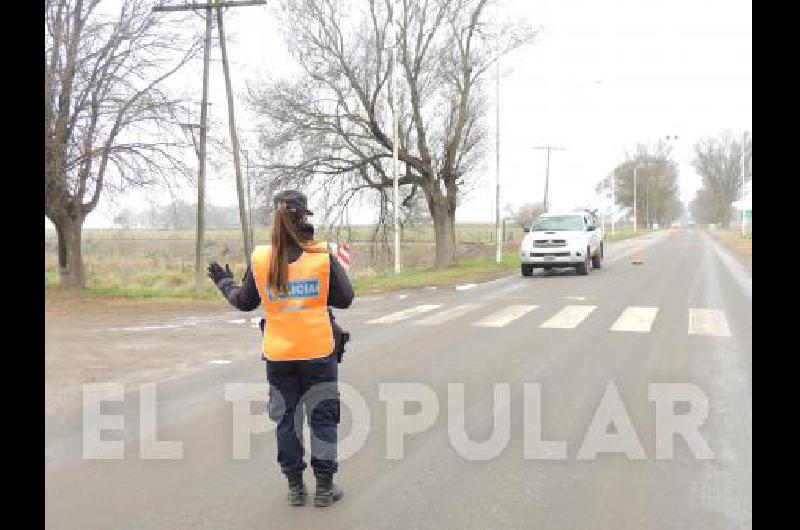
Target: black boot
<point>327,492</point>
<point>297,489</point>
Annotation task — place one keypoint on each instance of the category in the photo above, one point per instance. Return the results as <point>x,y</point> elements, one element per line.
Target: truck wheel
<point>597,260</point>
<point>527,270</point>
<point>584,268</point>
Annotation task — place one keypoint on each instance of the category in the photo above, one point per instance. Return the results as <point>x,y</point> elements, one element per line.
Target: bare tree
<point>108,118</point>
<point>526,214</point>
<point>718,161</point>
<point>656,183</point>
<point>704,208</point>
<point>330,128</point>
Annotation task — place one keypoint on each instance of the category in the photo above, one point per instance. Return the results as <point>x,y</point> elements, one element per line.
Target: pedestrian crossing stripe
<point>633,319</point>
<point>636,319</point>
<point>448,314</point>
<point>404,314</point>
<point>505,316</point>
<point>569,317</point>
<point>708,322</point>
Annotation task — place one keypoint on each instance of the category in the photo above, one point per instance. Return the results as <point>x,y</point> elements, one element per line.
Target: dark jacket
<point>247,298</point>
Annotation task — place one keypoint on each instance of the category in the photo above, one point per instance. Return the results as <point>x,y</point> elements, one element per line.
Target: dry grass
<point>622,235</point>
<point>160,263</point>
<point>741,246</point>
<point>469,270</point>
<point>70,302</point>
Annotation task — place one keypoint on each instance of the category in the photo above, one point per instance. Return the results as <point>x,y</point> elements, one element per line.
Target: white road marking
<point>255,321</point>
<point>734,266</point>
<point>448,314</point>
<point>370,298</point>
<point>569,317</point>
<point>236,321</point>
<point>465,287</point>
<point>575,298</point>
<point>219,361</point>
<point>153,328</point>
<point>506,297</point>
<point>637,319</point>
<point>402,296</point>
<point>708,322</point>
<point>404,314</point>
<point>504,316</point>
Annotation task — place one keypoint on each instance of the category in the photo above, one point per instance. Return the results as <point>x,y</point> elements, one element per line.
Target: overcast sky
<point>602,76</point>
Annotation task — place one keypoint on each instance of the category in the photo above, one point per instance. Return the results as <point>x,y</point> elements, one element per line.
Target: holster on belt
<point>341,343</point>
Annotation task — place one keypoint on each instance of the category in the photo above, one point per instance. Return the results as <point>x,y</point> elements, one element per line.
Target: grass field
<point>621,235</point>
<point>144,263</point>
<point>148,263</point>
<point>473,270</point>
<point>466,232</point>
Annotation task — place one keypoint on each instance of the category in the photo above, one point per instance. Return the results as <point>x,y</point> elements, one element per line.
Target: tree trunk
<point>70,261</point>
<point>444,230</point>
<point>724,217</point>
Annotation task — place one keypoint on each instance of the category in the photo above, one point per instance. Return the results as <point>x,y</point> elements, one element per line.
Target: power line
<point>192,7</point>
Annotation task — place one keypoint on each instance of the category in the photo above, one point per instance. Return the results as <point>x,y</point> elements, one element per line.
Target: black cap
<point>295,201</point>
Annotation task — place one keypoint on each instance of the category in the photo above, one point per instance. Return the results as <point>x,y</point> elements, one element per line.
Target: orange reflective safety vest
<point>298,326</point>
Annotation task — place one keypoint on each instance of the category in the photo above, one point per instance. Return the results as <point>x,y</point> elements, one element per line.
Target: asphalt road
<point>684,316</point>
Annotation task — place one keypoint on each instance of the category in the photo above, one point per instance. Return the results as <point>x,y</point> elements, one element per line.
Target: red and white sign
<point>343,255</point>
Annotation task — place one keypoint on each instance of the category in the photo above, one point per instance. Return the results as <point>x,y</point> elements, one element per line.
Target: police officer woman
<point>295,280</point>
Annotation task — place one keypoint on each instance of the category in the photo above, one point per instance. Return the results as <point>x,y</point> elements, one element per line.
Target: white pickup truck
<point>562,240</point>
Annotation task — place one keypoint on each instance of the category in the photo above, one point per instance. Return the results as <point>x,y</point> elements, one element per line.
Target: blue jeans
<point>296,389</point>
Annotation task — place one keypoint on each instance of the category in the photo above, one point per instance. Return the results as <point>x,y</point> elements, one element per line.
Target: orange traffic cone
<point>636,256</point>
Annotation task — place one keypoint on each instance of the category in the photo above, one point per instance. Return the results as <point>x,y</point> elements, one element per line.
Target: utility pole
<point>744,140</point>
<point>395,142</point>
<point>249,198</point>
<point>201,167</point>
<point>246,237</point>
<point>547,171</point>
<point>603,208</point>
<point>635,219</point>
<point>201,151</point>
<point>613,201</point>
<point>672,138</point>
<point>499,252</point>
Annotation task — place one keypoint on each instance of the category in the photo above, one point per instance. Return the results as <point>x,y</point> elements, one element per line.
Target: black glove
<point>217,273</point>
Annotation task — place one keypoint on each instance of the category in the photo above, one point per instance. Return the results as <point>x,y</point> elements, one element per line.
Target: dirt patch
<point>58,302</point>
<point>99,339</point>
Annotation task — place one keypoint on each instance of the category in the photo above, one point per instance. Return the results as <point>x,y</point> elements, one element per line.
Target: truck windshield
<point>558,223</point>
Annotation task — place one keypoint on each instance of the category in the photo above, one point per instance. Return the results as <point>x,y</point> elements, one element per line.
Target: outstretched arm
<point>244,297</point>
